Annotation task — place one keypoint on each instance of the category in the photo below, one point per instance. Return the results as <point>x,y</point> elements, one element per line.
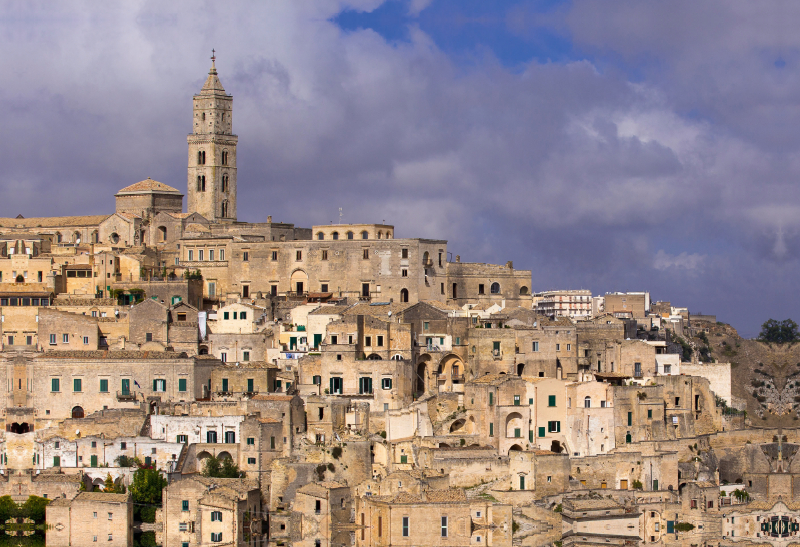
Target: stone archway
<point>421,380</point>
<point>299,283</point>
<point>77,412</point>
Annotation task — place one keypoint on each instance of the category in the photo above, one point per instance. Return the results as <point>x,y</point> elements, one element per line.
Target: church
<point>149,236</point>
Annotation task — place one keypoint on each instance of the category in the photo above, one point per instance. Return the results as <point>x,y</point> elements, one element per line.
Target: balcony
<point>126,396</point>
<point>497,354</point>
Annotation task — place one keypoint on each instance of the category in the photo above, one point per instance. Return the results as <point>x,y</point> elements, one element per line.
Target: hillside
<point>765,376</point>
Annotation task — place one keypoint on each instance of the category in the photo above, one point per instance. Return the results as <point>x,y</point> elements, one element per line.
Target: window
<point>386,383</point>
<point>491,429</point>
<point>535,346</point>
<point>246,357</point>
<point>200,254</point>
<point>251,461</point>
<point>404,272</point>
<point>426,326</point>
<point>216,537</point>
<point>148,337</point>
<point>323,287</point>
<point>587,402</point>
<point>222,254</point>
<point>298,255</point>
<point>365,385</point>
<point>316,380</point>
<point>223,357</point>
<point>324,255</point>
<point>551,400</point>
<point>274,255</point>
<point>103,385</point>
<point>649,413</point>
<point>569,347</point>
<point>444,527</point>
<point>554,427</point>
<point>65,338</point>
<point>230,437</point>
<point>52,339</point>
<point>365,254</point>
<point>123,446</point>
<point>405,527</point>
<point>76,385</point>
<point>246,256</point>
<point>182,384</point>
<point>491,398</point>
<point>160,385</point>
<point>272,443</point>
<point>516,400</point>
<point>481,289</point>
<point>541,432</point>
<point>211,254</point>
<point>55,385</point>
<point>380,341</point>
<point>56,461</point>
<point>182,439</point>
<point>495,288</point>
<point>368,341</point>
<point>630,419</point>
<point>558,347</point>
<point>191,256</point>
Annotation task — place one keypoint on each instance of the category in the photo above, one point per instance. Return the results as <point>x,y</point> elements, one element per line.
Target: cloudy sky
<point>603,145</point>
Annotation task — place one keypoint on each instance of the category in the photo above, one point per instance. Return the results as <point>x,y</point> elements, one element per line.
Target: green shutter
<point>655,485</point>
<point>94,461</point>
<point>522,482</point>
<point>272,443</point>
<point>649,413</point>
<point>154,385</point>
<point>541,432</point>
<point>56,461</point>
<point>530,436</point>
<point>224,384</point>
<point>491,398</point>
<point>103,387</point>
<point>517,433</point>
<point>181,384</point>
<point>630,418</point>
<point>126,387</point>
<point>55,384</point>
<point>530,401</point>
<point>250,386</point>
<point>516,400</point>
<point>331,383</point>
<point>551,400</point>
<point>76,385</point>
<point>403,459</point>
<point>491,429</point>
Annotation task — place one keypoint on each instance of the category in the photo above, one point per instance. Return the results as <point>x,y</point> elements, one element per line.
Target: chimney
<point>510,265</point>
<point>269,219</point>
<point>458,258</point>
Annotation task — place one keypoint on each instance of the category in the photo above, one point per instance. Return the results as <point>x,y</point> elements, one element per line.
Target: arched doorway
<point>515,447</point>
<point>77,412</point>
<point>520,369</point>
<point>514,425</point>
<point>299,281</point>
<point>404,295</point>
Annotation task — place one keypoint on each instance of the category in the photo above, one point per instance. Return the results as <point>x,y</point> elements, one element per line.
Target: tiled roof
<point>431,496</point>
<point>56,477</point>
<point>379,310</point>
<point>52,222</point>
<point>149,185</point>
<point>101,496</point>
<point>584,504</point>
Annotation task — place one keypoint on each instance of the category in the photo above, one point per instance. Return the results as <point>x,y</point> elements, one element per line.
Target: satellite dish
<point>390,314</point>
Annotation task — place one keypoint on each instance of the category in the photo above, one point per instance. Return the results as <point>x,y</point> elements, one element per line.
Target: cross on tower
<point>213,55</point>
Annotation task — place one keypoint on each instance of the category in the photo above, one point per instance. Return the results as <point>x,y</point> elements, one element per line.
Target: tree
<point>741,495</point>
<point>35,508</point>
<point>8,508</point>
<point>222,468</point>
<point>145,491</point>
<point>112,487</point>
<point>779,332</point>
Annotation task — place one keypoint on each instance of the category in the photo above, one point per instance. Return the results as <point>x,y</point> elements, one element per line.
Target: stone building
<point>91,517</point>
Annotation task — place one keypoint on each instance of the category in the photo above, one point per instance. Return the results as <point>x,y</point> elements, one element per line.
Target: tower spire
<point>213,59</point>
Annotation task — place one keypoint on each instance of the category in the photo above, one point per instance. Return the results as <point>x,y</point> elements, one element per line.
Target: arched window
<point>114,237</point>
<point>225,209</point>
<point>587,402</point>
<point>404,295</point>
<point>58,237</point>
<point>349,235</point>
<point>388,235</point>
<point>320,236</point>
<point>495,288</point>
<point>77,412</point>
<point>203,117</point>
<point>380,235</point>
<point>224,157</point>
<point>201,157</point>
<point>523,291</point>
<point>225,182</point>
<point>335,235</point>
<point>162,233</point>
<point>201,183</point>
<point>364,235</point>
<point>76,237</point>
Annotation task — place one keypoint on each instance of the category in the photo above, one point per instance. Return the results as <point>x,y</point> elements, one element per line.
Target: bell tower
<point>212,153</point>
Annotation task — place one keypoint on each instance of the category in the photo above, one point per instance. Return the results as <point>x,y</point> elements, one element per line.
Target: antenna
<point>340,215</point>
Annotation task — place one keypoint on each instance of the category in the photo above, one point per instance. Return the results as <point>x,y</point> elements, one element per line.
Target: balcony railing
<point>126,396</point>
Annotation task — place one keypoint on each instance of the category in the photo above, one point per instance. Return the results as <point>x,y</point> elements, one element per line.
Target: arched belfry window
<point>224,180</point>
<point>201,157</point>
<point>224,157</point>
<point>495,289</point>
<point>201,183</point>
<point>364,235</point>
<point>225,209</point>
<point>335,235</point>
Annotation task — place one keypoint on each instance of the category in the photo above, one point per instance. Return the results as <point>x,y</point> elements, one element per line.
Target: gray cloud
<point>681,182</point>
